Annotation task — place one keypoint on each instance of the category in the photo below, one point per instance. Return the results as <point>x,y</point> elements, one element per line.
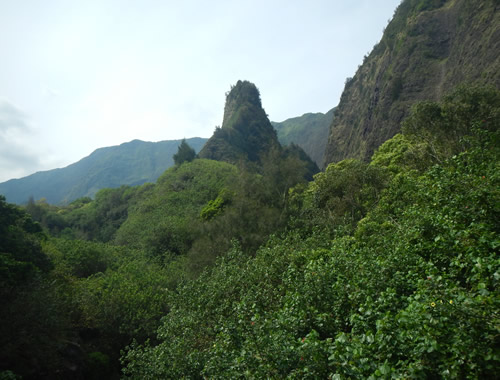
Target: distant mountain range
<point>132,163</point>
<point>137,162</point>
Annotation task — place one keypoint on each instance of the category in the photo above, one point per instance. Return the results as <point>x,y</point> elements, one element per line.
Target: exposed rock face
<point>246,132</point>
<point>428,48</point>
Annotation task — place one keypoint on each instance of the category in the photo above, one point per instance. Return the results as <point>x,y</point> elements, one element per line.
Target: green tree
<point>447,127</point>
<point>184,154</point>
<point>32,322</point>
<point>338,197</point>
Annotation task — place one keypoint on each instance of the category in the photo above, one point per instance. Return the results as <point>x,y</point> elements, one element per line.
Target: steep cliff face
<point>246,132</point>
<point>428,48</point>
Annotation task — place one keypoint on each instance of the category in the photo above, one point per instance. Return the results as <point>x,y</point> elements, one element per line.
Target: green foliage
<point>282,170</point>
<point>257,206</point>
<point>339,197</point>
<point>21,256</point>
<point>410,292</point>
<point>467,111</point>
<point>127,301</point>
<point>306,167</point>
<point>184,153</point>
<point>46,215</point>
<point>81,258</point>
<point>53,290</point>
<point>435,131</point>
<point>111,295</point>
<point>387,269</point>
<point>34,329</point>
<point>214,207</point>
<point>399,154</point>
<point>86,219</point>
<point>32,318</point>
<point>405,298</point>
<point>252,214</point>
<point>164,222</point>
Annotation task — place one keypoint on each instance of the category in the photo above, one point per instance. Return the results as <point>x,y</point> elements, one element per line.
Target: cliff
<point>246,132</point>
<point>428,48</point>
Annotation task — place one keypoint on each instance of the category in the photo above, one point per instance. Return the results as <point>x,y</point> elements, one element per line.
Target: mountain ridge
<point>130,163</point>
<point>309,131</point>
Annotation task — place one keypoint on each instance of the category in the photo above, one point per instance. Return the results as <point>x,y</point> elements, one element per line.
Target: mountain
<point>309,131</point>
<point>428,48</point>
<point>246,132</point>
<point>131,163</point>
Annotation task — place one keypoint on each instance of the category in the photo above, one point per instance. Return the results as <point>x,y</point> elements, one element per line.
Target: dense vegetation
<point>381,269</point>
<point>400,282</point>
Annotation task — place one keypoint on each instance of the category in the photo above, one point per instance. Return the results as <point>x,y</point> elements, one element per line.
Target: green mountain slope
<point>309,131</point>
<point>428,48</point>
<point>132,163</point>
<point>246,132</point>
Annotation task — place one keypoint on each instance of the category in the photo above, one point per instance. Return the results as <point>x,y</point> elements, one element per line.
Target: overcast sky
<point>79,75</point>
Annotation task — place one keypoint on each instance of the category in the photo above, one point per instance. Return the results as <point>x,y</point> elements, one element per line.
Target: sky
<point>79,75</point>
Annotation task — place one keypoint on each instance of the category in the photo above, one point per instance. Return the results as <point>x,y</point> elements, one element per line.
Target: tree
<point>470,112</point>
<point>184,153</point>
<point>32,321</point>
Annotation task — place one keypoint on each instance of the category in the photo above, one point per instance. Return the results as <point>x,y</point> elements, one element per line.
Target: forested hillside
<point>428,48</point>
<point>309,131</point>
<point>132,163</point>
<point>242,263</point>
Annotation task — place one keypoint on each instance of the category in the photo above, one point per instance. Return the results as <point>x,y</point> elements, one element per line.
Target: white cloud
<point>11,118</point>
<point>20,154</point>
<point>51,93</point>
